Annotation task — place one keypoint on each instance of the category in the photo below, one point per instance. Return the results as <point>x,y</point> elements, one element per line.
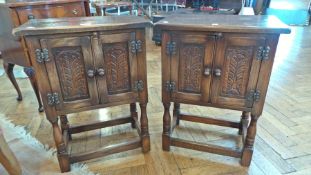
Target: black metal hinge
<point>171,48</point>
<point>42,55</point>
<point>136,46</point>
<point>53,99</point>
<point>139,85</point>
<point>170,86</point>
<point>252,96</point>
<point>263,53</point>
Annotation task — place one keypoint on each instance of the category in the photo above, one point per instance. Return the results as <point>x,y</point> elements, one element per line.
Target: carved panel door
<point>191,66</point>
<point>235,69</point>
<point>116,64</point>
<point>69,69</point>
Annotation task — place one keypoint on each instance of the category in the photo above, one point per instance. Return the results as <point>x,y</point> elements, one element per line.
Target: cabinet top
<point>20,3</point>
<point>224,23</point>
<point>79,24</point>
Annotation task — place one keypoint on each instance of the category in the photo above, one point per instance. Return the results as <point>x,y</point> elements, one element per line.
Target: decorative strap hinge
<point>139,85</point>
<point>53,99</point>
<point>136,46</point>
<point>171,48</point>
<point>263,53</point>
<point>42,55</point>
<point>252,96</point>
<point>170,86</point>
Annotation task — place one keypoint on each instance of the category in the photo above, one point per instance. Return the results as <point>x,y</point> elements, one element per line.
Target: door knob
<point>207,71</point>
<point>217,72</point>
<point>101,71</point>
<point>91,73</point>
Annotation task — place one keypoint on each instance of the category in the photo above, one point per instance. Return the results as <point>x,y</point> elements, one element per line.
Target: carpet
<point>34,157</point>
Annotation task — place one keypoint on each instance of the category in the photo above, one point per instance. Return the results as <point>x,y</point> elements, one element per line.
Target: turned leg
<point>8,68</point>
<point>62,154</point>
<point>166,127</point>
<point>176,112</point>
<point>244,121</point>
<point>133,114</point>
<point>31,75</point>
<point>65,125</point>
<point>249,142</point>
<point>144,128</point>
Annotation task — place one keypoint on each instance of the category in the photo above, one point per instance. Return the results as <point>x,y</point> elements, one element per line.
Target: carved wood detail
<point>236,71</point>
<point>117,65</point>
<point>70,68</point>
<point>191,67</point>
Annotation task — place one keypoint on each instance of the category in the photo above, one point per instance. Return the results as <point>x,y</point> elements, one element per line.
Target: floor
<point>283,142</point>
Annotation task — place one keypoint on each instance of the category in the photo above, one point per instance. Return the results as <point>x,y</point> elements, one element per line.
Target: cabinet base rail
<point>63,140</point>
<point>111,149</point>
<point>205,147</point>
<point>244,128</point>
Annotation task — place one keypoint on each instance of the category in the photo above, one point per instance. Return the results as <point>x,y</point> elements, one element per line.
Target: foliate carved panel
<point>116,57</point>
<point>71,72</point>
<point>236,71</point>
<point>191,67</point>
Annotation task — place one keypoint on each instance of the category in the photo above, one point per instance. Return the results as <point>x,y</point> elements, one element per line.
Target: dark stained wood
<point>81,24</point>
<point>205,147</point>
<point>133,144</point>
<point>97,125</point>
<point>90,67</point>
<point>13,13</point>
<point>217,61</point>
<point>224,23</point>
<point>209,121</point>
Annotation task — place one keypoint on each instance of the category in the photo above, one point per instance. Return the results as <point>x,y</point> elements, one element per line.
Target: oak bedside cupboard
<point>14,13</point>
<point>221,61</point>
<point>89,63</point>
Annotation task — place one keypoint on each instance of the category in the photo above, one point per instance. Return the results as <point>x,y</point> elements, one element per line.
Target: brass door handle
<point>207,71</point>
<point>101,72</point>
<point>91,73</point>
<point>217,72</point>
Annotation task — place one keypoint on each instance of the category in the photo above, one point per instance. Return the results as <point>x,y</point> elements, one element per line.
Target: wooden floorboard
<point>283,143</point>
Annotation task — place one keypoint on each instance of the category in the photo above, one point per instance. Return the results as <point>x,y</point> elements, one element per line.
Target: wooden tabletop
<point>20,3</point>
<point>223,23</point>
<point>79,24</point>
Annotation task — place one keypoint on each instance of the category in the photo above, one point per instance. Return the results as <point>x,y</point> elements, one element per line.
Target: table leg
<point>244,121</point>
<point>176,112</point>
<point>144,128</point>
<point>62,153</point>
<point>65,125</point>
<point>31,75</point>
<point>133,114</point>
<point>249,142</point>
<point>8,68</point>
<point>166,127</point>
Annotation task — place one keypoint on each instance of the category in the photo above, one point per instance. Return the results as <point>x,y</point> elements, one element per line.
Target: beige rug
<point>34,157</point>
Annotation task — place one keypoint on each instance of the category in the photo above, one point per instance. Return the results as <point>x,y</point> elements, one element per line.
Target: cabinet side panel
<point>265,73</point>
